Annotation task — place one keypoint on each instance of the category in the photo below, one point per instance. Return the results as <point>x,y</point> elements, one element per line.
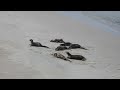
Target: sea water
<point>108,20</point>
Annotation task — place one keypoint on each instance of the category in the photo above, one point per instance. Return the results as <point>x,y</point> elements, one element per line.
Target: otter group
<point>67,45</point>
<point>63,46</point>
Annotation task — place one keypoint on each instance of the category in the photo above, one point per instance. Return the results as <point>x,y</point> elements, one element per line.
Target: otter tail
<point>84,48</point>
<point>45,46</point>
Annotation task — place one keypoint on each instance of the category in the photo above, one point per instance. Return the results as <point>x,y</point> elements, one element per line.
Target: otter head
<point>55,54</point>
<point>51,40</point>
<point>68,54</point>
<point>84,59</point>
<point>57,49</point>
<point>31,40</point>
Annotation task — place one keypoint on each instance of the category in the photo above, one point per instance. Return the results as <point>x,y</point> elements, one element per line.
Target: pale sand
<point>18,60</point>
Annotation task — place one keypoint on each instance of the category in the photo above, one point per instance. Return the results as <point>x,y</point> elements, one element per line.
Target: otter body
<point>76,57</point>
<point>59,48</point>
<point>58,55</point>
<point>57,41</point>
<point>66,44</point>
<point>75,46</point>
<point>36,44</point>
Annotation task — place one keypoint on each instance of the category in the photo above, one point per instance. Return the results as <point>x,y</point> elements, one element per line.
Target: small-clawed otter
<point>58,55</point>
<point>75,46</point>
<point>57,41</point>
<point>66,44</point>
<point>36,44</point>
<point>61,48</point>
<point>76,57</point>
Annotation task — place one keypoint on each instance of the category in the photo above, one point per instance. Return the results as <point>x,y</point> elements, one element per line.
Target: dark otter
<point>36,44</point>
<point>57,41</point>
<point>66,44</point>
<point>75,46</point>
<point>61,48</point>
<point>58,55</point>
<point>76,57</point>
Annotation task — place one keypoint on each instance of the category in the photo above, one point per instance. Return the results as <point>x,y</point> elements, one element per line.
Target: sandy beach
<point>19,60</point>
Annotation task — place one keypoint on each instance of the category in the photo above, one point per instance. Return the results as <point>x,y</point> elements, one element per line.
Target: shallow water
<point>108,21</point>
<point>111,18</point>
